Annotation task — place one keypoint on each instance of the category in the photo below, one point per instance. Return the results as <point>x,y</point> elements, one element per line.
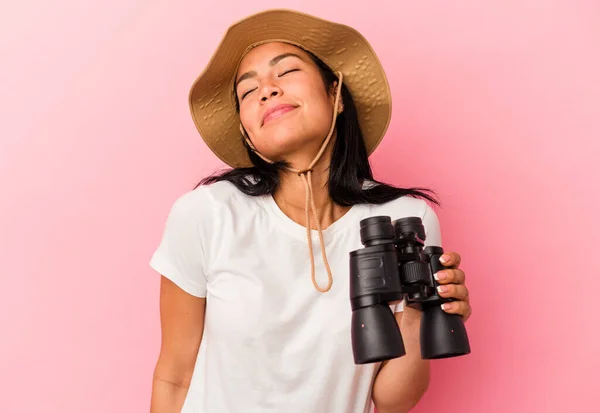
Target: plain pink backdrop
<point>496,106</point>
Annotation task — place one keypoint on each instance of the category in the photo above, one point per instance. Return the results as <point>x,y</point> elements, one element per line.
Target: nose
<point>269,90</point>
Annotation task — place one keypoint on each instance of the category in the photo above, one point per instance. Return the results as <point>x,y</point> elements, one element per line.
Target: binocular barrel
<point>395,265</point>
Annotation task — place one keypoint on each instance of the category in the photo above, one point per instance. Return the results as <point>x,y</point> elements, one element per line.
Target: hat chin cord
<point>306,176</point>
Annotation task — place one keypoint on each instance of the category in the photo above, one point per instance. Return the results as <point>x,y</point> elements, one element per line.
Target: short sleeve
<point>433,237</point>
<point>179,256</point>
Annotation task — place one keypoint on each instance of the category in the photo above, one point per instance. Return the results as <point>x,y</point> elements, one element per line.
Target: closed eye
<point>289,71</point>
<point>248,92</point>
<point>282,74</point>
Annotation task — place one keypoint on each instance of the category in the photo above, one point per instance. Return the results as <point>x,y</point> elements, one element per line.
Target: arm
<point>401,382</point>
<point>182,324</point>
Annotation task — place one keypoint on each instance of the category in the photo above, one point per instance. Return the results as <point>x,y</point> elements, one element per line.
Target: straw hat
<point>342,48</point>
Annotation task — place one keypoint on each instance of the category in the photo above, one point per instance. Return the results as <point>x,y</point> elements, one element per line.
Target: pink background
<point>496,106</point>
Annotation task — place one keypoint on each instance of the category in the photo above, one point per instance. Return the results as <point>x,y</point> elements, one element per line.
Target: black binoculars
<point>395,265</point>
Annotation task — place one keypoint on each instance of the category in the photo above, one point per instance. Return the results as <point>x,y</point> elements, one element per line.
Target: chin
<point>286,142</point>
<point>280,147</point>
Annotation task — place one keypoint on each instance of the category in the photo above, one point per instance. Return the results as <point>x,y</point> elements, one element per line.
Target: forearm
<point>401,382</point>
<point>167,397</point>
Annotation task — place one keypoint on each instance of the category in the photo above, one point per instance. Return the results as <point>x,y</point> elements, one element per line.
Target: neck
<point>291,196</point>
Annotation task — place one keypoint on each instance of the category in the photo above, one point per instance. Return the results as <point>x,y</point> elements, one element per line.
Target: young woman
<point>255,306</point>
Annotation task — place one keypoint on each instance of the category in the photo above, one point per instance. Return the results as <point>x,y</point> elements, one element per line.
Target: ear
<point>332,93</point>
<point>332,90</point>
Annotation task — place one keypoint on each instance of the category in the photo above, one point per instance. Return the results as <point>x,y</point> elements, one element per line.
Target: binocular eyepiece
<point>395,265</point>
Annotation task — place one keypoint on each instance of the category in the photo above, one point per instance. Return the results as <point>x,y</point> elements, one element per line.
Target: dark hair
<point>349,166</point>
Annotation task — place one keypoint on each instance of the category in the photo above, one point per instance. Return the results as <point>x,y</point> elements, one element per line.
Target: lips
<point>277,111</point>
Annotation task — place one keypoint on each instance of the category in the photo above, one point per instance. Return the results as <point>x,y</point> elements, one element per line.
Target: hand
<point>452,285</point>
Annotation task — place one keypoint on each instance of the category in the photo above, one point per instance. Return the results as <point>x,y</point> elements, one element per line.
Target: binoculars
<point>395,265</point>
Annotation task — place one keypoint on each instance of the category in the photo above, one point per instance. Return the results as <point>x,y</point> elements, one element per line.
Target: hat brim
<point>342,48</point>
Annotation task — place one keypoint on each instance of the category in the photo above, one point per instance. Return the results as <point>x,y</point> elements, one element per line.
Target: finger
<point>457,291</point>
<point>461,308</point>
<point>450,259</point>
<point>450,276</point>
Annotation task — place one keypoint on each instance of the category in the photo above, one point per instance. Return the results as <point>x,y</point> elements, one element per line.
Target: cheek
<point>315,98</point>
<point>251,124</point>
<point>320,111</point>
<point>246,118</point>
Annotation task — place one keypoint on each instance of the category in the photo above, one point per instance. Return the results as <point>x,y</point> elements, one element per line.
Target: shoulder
<point>225,195</point>
<point>405,206</point>
<point>402,206</point>
<point>207,204</point>
<point>215,194</point>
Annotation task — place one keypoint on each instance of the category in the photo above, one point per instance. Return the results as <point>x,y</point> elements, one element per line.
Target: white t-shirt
<point>272,342</point>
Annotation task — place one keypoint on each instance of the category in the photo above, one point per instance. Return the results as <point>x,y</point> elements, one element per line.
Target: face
<point>284,105</point>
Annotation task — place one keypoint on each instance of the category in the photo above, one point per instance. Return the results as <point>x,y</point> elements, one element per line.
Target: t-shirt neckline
<point>300,230</point>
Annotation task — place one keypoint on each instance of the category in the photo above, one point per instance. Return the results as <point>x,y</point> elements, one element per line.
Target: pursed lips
<point>277,111</point>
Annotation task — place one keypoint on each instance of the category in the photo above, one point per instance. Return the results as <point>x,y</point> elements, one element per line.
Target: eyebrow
<point>273,62</point>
